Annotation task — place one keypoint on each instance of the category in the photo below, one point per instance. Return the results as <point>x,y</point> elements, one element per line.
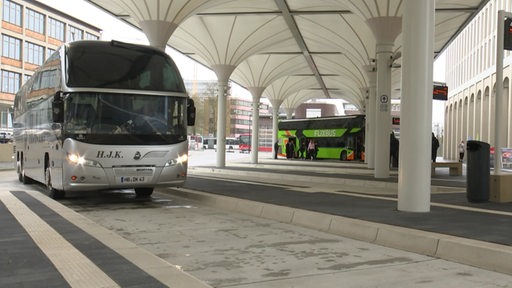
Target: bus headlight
<point>178,160</point>
<point>79,160</point>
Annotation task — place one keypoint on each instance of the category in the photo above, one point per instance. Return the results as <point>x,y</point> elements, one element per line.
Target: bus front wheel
<point>343,156</point>
<point>143,192</point>
<point>22,177</point>
<point>52,192</point>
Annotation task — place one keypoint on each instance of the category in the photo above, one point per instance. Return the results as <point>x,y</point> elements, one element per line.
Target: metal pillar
<point>416,106</point>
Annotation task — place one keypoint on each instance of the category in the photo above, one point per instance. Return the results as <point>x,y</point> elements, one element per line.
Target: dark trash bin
<point>478,171</point>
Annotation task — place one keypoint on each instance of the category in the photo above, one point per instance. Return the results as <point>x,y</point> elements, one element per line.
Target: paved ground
<point>242,227</point>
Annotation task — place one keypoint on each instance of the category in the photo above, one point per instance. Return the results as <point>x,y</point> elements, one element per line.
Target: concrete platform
<point>65,249</point>
<point>345,199</point>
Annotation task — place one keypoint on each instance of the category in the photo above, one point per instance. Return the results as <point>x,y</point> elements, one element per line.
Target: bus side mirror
<point>191,112</point>
<point>58,108</point>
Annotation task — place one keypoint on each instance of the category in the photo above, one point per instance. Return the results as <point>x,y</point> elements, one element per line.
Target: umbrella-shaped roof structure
<point>333,37</point>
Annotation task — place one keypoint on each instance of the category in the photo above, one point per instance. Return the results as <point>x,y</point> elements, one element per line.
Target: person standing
<point>288,149</point>
<point>292,147</point>
<point>435,146</point>
<point>311,149</point>
<point>276,149</point>
<point>394,147</point>
<point>302,149</point>
<point>461,151</point>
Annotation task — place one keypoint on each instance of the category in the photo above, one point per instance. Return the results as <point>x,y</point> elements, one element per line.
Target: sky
<point>116,29</point>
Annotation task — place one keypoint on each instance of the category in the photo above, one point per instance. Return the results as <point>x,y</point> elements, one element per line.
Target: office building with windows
<point>31,32</point>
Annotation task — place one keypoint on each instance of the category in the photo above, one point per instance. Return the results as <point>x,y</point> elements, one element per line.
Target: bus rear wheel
<point>52,192</point>
<point>24,178</point>
<point>343,156</point>
<point>143,192</point>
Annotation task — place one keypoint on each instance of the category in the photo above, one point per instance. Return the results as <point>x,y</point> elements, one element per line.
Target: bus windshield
<point>123,66</point>
<point>132,119</point>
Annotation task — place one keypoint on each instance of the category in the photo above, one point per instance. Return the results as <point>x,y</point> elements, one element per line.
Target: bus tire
<point>23,177</point>
<point>343,156</point>
<point>19,169</point>
<point>143,192</point>
<point>52,192</point>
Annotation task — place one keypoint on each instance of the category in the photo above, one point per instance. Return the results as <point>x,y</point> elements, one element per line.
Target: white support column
<point>369,150</point>
<point>367,129</point>
<point>275,121</point>
<point>223,72</point>
<point>383,111</point>
<point>289,112</point>
<point>221,123</point>
<point>385,29</point>
<point>158,32</point>
<point>500,109</point>
<point>416,106</point>
<point>255,139</point>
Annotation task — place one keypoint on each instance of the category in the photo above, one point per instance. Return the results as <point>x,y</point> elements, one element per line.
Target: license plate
<point>134,179</point>
<point>134,175</point>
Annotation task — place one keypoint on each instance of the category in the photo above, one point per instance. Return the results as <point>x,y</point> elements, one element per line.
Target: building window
<point>11,47</point>
<point>12,13</point>
<point>50,52</point>
<point>10,82</point>
<point>56,29</point>
<point>34,53</point>
<point>75,34</point>
<point>35,21</point>
<point>89,36</point>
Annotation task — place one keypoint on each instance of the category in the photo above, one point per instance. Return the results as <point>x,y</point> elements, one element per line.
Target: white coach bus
<point>103,115</point>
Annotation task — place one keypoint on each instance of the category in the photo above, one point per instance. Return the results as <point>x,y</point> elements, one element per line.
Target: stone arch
<point>485,115</point>
<point>492,118</point>
<point>465,118</point>
<point>478,116</point>
<point>471,116</point>
<point>506,95</point>
<point>451,128</point>
<point>459,120</point>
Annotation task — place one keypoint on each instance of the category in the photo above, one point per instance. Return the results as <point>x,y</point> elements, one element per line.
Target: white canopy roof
<point>327,46</point>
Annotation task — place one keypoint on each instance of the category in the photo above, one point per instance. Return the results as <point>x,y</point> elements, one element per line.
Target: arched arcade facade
<point>469,114</point>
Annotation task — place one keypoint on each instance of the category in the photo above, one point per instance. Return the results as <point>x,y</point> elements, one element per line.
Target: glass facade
<point>34,53</point>
<point>10,81</point>
<point>35,21</point>
<point>11,47</point>
<point>56,29</point>
<point>31,32</point>
<point>12,12</point>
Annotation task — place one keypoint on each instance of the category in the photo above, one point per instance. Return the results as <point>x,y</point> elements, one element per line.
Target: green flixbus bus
<point>339,137</point>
